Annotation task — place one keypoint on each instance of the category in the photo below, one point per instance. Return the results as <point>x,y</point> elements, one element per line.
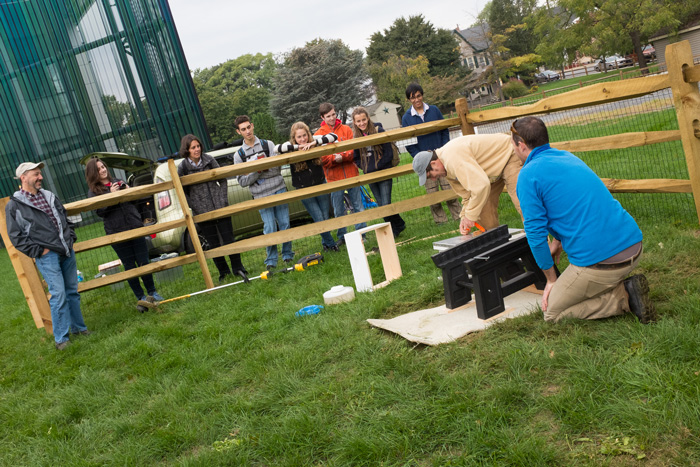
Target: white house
<point>385,113</point>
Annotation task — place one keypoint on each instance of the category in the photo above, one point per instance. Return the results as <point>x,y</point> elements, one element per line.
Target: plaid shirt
<point>40,202</point>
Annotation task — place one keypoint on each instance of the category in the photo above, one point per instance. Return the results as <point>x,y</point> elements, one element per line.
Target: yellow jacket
<point>473,163</point>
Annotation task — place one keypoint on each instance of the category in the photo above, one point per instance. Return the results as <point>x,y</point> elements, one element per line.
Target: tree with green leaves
<point>392,76</point>
<point>414,37</point>
<point>508,18</point>
<point>321,71</point>
<point>236,87</point>
<point>607,27</point>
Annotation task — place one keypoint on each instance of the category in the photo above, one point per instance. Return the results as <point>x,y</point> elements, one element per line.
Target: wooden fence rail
<point>682,78</point>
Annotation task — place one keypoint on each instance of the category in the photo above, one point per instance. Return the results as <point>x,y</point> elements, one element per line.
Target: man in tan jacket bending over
<point>477,167</point>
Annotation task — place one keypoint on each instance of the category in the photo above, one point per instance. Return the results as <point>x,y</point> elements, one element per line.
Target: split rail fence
<point>682,78</point>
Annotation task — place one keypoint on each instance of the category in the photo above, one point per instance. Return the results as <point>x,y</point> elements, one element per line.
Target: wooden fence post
<point>191,228</point>
<point>686,99</point>
<point>28,277</point>
<point>462,110</point>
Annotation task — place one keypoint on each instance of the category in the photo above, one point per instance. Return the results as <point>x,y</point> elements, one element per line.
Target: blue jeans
<point>318,207</point>
<point>134,253</point>
<point>382,194</point>
<point>61,274</point>
<point>339,209</point>
<point>274,217</point>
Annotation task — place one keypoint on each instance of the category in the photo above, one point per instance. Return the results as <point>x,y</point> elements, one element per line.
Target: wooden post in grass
<point>28,277</point>
<point>686,99</point>
<point>191,228</point>
<point>462,110</point>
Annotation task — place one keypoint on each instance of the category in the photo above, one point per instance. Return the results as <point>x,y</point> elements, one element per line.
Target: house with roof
<point>473,50</point>
<point>690,31</point>
<point>386,113</point>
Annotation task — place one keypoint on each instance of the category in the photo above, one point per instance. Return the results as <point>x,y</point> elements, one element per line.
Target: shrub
<point>514,88</point>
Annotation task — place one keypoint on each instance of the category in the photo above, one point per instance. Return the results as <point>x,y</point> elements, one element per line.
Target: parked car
<point>165,206</point>
<point>613,62</point>
<point>546,76</point>
<point>649,52</point>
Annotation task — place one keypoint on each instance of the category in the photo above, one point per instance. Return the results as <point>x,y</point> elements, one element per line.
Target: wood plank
<point>121,196</point>
<point>388,253</point>
<point>462,108</point>
<point>619,141</point>
<point>290,196</point>
<point>601,93</point>
<point>150,268</point>
<point>649,185</point>
<point>28,277</point>
<point>298,156</point>
<point>686,99</point>
<point>692,74</point>
<point>191,228</point>
<point>316,228</point>
<point>107,240</point>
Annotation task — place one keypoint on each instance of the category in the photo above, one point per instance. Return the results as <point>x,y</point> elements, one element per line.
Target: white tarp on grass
<point>439,325</point>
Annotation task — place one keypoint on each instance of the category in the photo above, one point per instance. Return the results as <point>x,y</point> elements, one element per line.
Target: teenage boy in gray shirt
<point>264,183</point>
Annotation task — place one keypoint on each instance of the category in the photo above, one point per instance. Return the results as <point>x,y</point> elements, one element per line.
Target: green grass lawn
<point>234,378</point>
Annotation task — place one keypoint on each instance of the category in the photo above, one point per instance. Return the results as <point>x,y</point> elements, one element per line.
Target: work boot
<point>62,345</point>
<point>637,288</point>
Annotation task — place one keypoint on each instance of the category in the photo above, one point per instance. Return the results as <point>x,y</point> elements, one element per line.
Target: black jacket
<point>31,229</point>
<point>119,217</point>
<point>367,162</point>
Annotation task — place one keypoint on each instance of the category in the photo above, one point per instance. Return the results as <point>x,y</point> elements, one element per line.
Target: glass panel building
<point>80,76</point>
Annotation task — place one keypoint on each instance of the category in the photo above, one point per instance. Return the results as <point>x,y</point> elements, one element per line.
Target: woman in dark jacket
<point>310,173</point>
<point>120,218</point>
<point>208,196</point>
<point>373,158</point>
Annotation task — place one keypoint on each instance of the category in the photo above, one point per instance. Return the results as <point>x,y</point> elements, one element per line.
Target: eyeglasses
<point>415,97</point>
<point>513,130</point>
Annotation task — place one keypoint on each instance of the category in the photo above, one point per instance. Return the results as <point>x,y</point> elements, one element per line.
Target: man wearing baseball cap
<point>477,168</point>
<point>38,227</point>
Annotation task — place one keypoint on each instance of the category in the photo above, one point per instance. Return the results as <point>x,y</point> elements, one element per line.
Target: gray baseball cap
<point>420,165</point>
<point>26,166</point>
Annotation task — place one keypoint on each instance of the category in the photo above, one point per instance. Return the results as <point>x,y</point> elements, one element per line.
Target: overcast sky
<point>214,31</point>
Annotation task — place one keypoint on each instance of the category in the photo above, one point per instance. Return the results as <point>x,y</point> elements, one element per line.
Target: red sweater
<point>338,170</point>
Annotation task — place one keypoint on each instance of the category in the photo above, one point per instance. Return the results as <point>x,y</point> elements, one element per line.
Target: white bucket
<point>338,294</point>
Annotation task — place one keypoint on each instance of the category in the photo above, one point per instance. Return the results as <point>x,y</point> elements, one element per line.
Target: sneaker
<point>289,260</point>
<point>340,242</point>
<point>81,333</point>
<point>156,296</point>
<point>331,248</point>
<point>62,345</point>
<point>637,288</point>
<point>398,231</point>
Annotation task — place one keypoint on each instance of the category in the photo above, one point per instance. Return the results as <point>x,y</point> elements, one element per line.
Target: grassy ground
<point>234,378</point>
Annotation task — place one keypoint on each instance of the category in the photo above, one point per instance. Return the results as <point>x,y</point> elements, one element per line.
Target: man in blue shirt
<point>562,197</point>
<point>421,112</point>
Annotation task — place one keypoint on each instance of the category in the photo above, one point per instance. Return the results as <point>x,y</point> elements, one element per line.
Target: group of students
<point>304,174</point>
<point>209,196</point>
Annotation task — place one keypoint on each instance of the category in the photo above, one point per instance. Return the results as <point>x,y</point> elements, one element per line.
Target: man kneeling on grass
<point>561,196</point>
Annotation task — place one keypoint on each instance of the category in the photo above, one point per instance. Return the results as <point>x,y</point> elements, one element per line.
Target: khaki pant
<point>589,293</point>
<point>489,214</point>
<point>431,186</point>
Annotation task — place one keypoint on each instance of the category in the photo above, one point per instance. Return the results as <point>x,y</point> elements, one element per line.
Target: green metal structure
<point>82,76</point>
